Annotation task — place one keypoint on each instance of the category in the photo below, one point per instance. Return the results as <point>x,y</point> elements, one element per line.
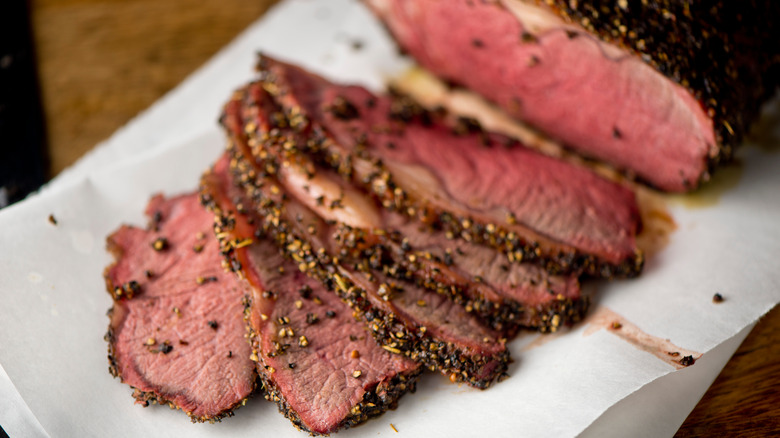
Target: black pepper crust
<point>378,180</point>
<point>257,177</point>
<point>389,254</point>
<point>391,333</point>
<point>726,53</point>
<point>282,143</point>
<point>394,256</point>
<point>376,400</point>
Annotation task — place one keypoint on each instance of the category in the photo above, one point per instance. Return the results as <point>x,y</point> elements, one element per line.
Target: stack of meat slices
<point>314,359</point>
<point>426,228</point>
<point>404,317</point>
<point>368,239</point>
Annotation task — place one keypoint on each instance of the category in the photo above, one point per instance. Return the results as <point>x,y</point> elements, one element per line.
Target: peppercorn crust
<point>725,53</point>
<point>392,334</point>
<point>376,400</point>
<point>258,179</point>
<point>377,179</point>
<point>387,249</point>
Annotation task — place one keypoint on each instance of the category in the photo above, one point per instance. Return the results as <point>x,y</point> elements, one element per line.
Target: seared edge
<point>725,53</point>
<point>392,333</point>
<point>120,293</point>
<point>376,400</point>
<point>372,174</point>
<point>277,149</point>
<point>395,336</point>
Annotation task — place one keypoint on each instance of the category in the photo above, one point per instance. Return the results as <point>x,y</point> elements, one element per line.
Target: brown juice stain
<point>708,194</point>
<point>763,135</point>
<point>657,222</point>
<point>605,319</point>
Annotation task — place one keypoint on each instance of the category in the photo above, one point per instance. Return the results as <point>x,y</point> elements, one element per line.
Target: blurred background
<point>74,71</point>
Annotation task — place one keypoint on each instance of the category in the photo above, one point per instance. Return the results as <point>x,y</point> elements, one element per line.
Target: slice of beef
<point>403,317</point>
<point>504,295</point>
<point>315,359</point>
<point>664,90</point>
<point>507,295</point>
<point>176,333</point>
<point>478,186</point>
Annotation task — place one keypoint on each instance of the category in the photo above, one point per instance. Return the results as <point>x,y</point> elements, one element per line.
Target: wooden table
<point>103,61</point>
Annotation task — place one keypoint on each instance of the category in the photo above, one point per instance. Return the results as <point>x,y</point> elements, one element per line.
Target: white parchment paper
<point>52,316</point>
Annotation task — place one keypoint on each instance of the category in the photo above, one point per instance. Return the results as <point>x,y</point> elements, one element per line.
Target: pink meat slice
<point>597,98</point>
<point>513,293</point>
<point>176,333</point>
<point>562,207</point>
<point>315,359</point>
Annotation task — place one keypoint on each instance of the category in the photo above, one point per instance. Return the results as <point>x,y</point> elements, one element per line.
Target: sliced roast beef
<point>176,333</point>
<point>662,89</point>
<point>315,359</point>
<point>505,295</point>
<point>402,316</point>
<point>478,186</point>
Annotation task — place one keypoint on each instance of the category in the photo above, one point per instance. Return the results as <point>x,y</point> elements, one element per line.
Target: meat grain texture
<point>176,333</point>
<point>664,90</point>
<point>479,186</point>
<point>316,361</point>
<point>440,334</point>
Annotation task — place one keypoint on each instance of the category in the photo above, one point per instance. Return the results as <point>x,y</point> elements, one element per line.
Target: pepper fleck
<point>305,291</point>
<point>687,361</point>
<point>213,324</point>
<point>160,244</point>
<point>166,347</point>
<point>344,109</point>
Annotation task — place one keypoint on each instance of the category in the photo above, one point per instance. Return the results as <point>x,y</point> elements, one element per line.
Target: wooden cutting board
<point>103,61</point>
